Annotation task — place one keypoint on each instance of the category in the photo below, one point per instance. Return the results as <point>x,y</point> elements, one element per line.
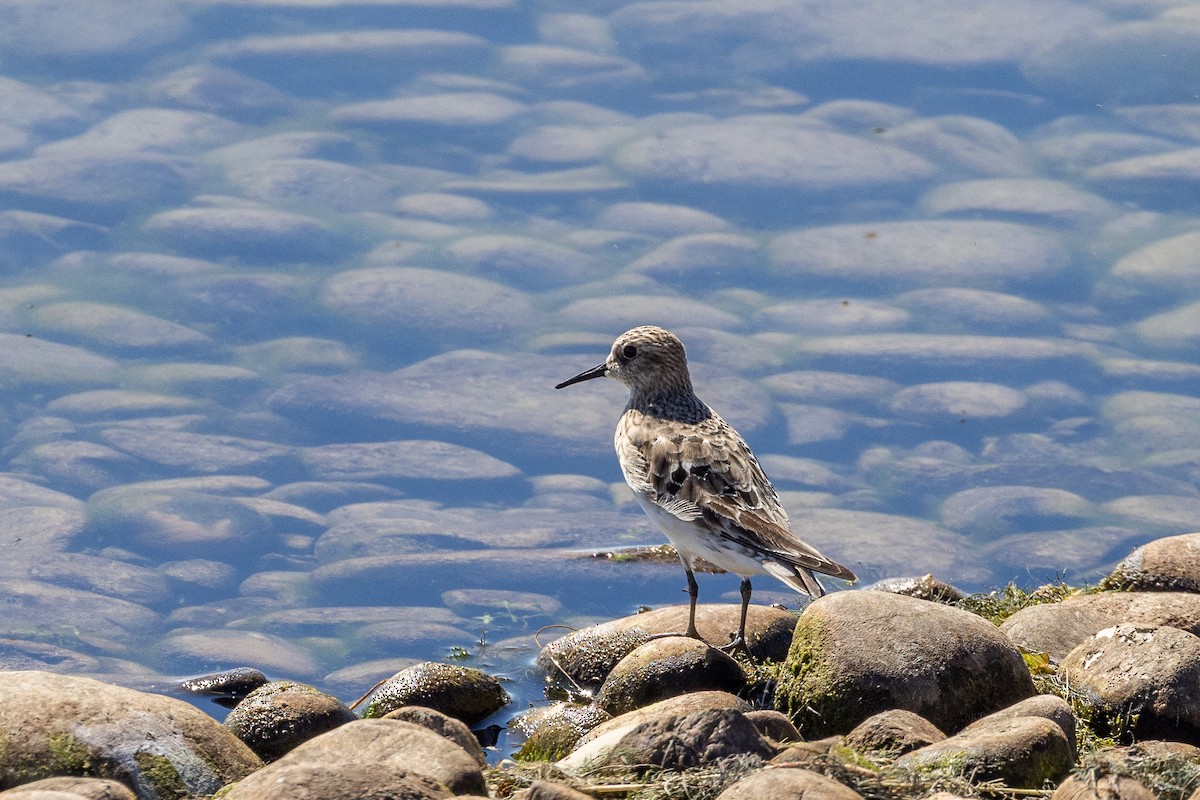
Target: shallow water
<point>286,285</point>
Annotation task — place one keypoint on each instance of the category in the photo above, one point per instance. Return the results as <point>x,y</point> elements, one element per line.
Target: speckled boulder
<point>769,784</point>
<point>1170,564</point>
<point>672,706</point>
<point>663,668</point>
<point>894,733</point>
<point>464,693</point>
<point>673,741</point>
<point>443,725</point>
<point>277,716</point>
<point>63,787</point>
<point>546,790</point>
<point>1050,706</point>
<point>587,655</point>
<point>390,747</point>
<point>1139,680</point>
<point>856,654</point>
<point>58,725</point>
<point>349,781</point>
<point>1057,628</point>
<point>1020,752</point>
<point>1089,786</point>
<point>552,731</point>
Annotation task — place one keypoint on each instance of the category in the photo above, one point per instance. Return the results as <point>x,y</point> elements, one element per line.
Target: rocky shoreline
<point>901,690</point>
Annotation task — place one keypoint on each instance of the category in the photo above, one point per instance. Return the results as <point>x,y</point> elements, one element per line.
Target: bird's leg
<point>739,641</point>
<point>693,594</point>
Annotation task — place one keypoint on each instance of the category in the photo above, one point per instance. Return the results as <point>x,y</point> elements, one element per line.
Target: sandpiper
<point>696,478</point>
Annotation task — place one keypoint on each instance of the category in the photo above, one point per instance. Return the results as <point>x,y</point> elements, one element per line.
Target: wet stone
<point>226,688</point>
<point>252,234</point>
<point>415,458</point>
<point>976,309</point>
<point>437,303</point>
<point>313,184</point>
<point>551,732</point>
<point>664,668</point>
<point>1034,200</point>
<point>847,644</point>
<point>22,654</point>
<point>218,648</point>
<point>660,219</point>
<point>522,261</point>
<point>1002,509</point>
<point>141,739</point>
<point>464,693</point>
<point>137,584</point>
<point>28,360</point>
<point>74,616</point>
<point>834,315</point>
<point>473,602</point>
<point>978,254</point>
<point>277,716</point>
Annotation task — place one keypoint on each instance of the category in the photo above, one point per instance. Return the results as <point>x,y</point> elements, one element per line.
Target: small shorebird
<point>696,478</point>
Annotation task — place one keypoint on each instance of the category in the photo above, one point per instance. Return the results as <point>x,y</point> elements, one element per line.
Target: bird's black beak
<point>586,375</point>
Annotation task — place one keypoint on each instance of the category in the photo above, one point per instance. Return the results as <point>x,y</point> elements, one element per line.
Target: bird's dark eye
<point>629,351</point>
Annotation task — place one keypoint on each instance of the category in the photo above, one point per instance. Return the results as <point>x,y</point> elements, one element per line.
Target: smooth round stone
<point>829,387</point>
<point>28,237</point>
<point>97,623</point>
<point>113,326</point>
<point>723,257</point>
<point>768,153</point>
<point>253,234</point>
<point>149,130</point>
<point>140,585</point>
<point>464,693</point>
<point>81,28</point>
<point>277,716</point>
<point>1137,61</point>
<point>451,208</point>
<point>809,423</point>
<point>279,586</point>
<point>975,309</point>
<point>1034,200</point>
<point>963,399</point>
<point>1177,120</point>
<point>762,37</point>
<point>474,602</point>
<point>1178,328</point>
<point>220,90</point>
<point>522,261</point>
<point>885,544</point>
<point>556,67</point>
<point>429,300</point>
<point>746,355</point>
<point>919,348</point>
<point>120,403</point>
<point>668,667</point>
<point>312,183</point>
<point>203,379</point>
<point>456,110</point>
<point>979,253</point>
<point>660,219</point>
<point>1150,369</point>
<point>104,182</point>
<point>80,466</point>
<point>298,353</point>
<point>200,452</point>
<point>30,360</point>
<point>1160,174</point>
<point>200,574</point>
<point>328,495</point>
<point>964,142</point>
<point>389,45</point>
<point>36,533</point>
<point>996,509</point>
<point>176,523</point>
<point>336,620</point>
<point>384,537</point>
<point>268,297</point>
<point>621,312</point>
<point>202,650</point>
<point>1075,151</point>
<point>1166,264</point>
<point>20,654</point>
<point>806,471</point>
<point>831,316</point>
<point>1167,512</point>
<point>416,458</point>
<point>30,107</point>
<point>553,183</point>
<point>16,493</point>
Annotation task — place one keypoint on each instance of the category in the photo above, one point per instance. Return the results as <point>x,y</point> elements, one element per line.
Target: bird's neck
<point>680,405</point>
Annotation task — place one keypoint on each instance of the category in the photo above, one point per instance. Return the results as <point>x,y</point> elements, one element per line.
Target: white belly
<point>693,540</point>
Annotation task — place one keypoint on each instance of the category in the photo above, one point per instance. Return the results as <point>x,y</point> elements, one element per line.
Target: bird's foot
<point>737,644</point>
<point>692,634</point>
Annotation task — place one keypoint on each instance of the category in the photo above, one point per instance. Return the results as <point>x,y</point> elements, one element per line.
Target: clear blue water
<point>285,287</point>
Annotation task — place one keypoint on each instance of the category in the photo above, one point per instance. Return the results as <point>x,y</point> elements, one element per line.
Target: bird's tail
<point>799,578</point>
